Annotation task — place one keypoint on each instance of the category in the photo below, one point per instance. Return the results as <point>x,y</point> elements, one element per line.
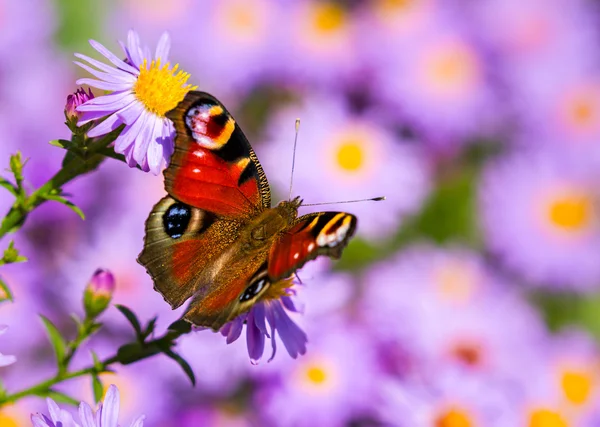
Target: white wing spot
<point>296,255</point>
<point>311,247</point>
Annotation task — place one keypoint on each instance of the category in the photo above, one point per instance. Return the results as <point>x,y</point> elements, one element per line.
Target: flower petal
<point>130,135</point>
<point>6,360</point>
<point>41,421</point>
<point>145,138</point>
<point>106,99</point>
<point>53,409</point>
<point>294,339</point>
<point>163,47</point>
<point>113,58</point>
<point>107,77</point>
<point>235,329</point>
<point>131,113</point>
<point>108,125</point>
<point>255,339</point>
<point>134,49</point>
<point>259,318</point>
<point>86,415</point>
<point>110,407</point>
<point>107,68</point>
<point>139,422</point>
<point>103,85</point>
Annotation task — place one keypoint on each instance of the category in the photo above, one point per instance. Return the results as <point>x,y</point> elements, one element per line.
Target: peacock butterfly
<point>215,237</point>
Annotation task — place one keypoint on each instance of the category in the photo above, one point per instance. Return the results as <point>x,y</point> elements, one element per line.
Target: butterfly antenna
<point>373,199</point>
<point>294,157</point>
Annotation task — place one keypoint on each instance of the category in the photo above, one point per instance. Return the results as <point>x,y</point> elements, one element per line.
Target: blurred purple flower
<point>442,307</point>
<point>106,416</point>
<point>451,398</point>
<point>354,155</point>
<point>5,359</point>
<point>328,386</point>
<point>442,81</point>
<point>74,100</point>
<point>540,215</point>
<point>274,312</point>
<point>143,90</point>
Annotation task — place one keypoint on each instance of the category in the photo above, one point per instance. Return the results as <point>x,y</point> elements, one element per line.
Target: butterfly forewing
<point>214,167</point>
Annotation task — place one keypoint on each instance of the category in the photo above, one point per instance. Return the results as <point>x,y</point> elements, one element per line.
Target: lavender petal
<point>113,58</point>
<point>110,410</point>
<point>102,66</point>
<point>103,85</point>
<point>255,339</point>
<point>163,47</point>
<point>107,77</point>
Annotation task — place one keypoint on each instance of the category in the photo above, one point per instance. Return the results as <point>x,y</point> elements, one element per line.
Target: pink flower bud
<point>75,100</point>
<point>98,293</point>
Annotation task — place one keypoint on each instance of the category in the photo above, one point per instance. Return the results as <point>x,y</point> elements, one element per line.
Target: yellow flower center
<point>583,111</point>
<point>395,5</point>
<point>8,421</point>
<point>328,17</point>
<point>452,68</point>
<point>546,418</point>
<point>577,386</point>
<point>316,375</point>
<point>350,156</point>
<point>160,88</point>
<point>455,417</point>
<point>455,282</point>
<point>571,213</point>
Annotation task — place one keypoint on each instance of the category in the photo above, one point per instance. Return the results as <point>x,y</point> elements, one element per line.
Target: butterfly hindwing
<point>181,246</point>
<point>321,233</point>
<point>213,166</point>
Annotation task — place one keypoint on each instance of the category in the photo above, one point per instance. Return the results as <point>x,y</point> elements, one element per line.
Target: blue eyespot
<point>176,220</point>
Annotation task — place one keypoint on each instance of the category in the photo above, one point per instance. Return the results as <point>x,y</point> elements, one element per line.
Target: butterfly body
<point>215,238</point>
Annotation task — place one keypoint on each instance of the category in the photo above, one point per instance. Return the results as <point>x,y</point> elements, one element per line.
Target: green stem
<point>149,349</point>
<point>86,160</point>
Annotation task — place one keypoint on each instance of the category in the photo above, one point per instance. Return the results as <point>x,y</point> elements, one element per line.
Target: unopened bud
<point>98,293</point>
<point>73,101</point>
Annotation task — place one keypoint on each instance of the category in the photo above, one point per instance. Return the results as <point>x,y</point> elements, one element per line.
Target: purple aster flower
<point>442,80</point>
<point>451,398</point>
<point>540,217</point>
<point>327,387</point>
<point>143,88</point>
<point>442,307</point>
<point>355,156</point>
<point>272,310</point>
<point>5,359</point>
<point>106,416</point>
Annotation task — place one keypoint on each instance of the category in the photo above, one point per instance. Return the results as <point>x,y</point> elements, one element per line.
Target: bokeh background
<point>471,297</point>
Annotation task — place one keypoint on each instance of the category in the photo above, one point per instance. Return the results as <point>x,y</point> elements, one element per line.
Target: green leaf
<point>60,397</point>
<point>67,203</point>
<point>9,186</point>
<point>57,341</point>
<point>130,315</point>
<point>97,388</point>
<point>61,143</point>
<point>11,254</point>
<point>5,292</point>
<point>150,327</point>
<point>180,326</point>
<point>184,365</point>
<point>98,366</point>
<point>16,167</point>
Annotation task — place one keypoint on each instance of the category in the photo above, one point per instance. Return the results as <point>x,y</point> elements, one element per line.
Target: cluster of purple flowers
<point>429,320</point>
